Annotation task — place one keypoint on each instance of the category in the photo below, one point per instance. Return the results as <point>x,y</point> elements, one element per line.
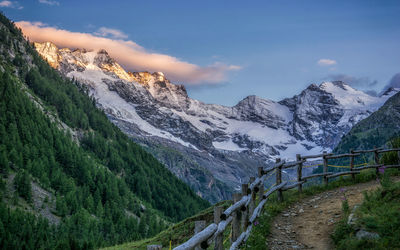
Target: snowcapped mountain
<point>214,147</point>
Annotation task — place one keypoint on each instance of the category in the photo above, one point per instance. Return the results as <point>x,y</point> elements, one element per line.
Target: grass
<point>379,213</point>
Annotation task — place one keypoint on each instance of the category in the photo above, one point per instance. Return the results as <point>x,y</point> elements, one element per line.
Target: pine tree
<point>22,183</point>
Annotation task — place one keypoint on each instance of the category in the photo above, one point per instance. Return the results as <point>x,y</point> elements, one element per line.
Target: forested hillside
<point>60,154</point>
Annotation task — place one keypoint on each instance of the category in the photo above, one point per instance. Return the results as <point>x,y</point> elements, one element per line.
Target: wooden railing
<point>246,207</point>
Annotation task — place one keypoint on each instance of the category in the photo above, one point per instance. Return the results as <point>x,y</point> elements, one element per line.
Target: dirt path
<point>309,223</point>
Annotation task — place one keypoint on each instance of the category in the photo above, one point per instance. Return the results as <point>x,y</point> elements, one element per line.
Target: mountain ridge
<point>232,141</point>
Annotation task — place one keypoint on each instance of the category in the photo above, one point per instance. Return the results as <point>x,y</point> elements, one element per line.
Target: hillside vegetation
<point>378,214</point>
<point>58,150</point>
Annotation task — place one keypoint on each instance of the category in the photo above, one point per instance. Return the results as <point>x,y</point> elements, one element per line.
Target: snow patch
<point>227,145</point>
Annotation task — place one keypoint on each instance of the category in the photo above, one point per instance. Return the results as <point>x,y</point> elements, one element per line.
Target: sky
<point>223,51</point>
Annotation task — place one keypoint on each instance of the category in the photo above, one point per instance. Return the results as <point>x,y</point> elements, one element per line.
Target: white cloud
<point>11,4</point>
<point>326,62</point>
<point>49,2</point>
<point>130,55</point>
<point>6,4</point>
<point>113,33</point>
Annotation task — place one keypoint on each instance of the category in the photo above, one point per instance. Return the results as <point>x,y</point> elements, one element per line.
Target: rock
<point>315,199</point>
<point>301,211</point>
<point>362,234</point>
<point>154,247</point>
<point>352,219</point>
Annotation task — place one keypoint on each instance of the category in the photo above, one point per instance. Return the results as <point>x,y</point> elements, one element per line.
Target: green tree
<point>22,183</point>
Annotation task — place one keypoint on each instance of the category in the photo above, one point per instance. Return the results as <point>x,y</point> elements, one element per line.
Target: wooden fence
<point>246,207</point>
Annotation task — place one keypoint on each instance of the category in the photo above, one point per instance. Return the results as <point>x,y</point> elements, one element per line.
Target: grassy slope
<point>380,213</point>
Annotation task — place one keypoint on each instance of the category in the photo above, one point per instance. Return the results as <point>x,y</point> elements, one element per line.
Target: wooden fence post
<point>398,157</point>
<point>261,188</point>
<point>325,168</point>
<point>245,211</point>
<point>279,179</point>
<point>236,219</point>
<point>199,225</point>
<point>376,158</point>
<point>299,172</point>
<point>353,176</point>
<point>219,244</point>
<point>252,204</point>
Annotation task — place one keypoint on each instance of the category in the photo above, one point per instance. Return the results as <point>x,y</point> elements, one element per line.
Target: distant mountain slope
<point>224,144</point>
<point>376,130</point>
<point>63,160</point>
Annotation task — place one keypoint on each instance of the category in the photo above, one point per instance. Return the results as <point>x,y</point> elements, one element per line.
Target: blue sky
<point>276,44</point>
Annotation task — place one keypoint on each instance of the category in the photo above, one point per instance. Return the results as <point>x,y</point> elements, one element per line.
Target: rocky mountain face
<point>211,147</point>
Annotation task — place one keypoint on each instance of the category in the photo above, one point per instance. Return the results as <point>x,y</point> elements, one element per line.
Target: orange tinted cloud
<point>129,54</point>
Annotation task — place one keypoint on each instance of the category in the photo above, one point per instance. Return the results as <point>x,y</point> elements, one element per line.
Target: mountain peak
<point>49,51</point>
<point>45,45</point>
<point>102,57</point>
<point>161,88</point>
<point>160,76</point>
<point>336,84</point>
<point>102,51</point>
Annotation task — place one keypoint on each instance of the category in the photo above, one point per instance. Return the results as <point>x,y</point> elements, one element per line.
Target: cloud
<point>130,55</point>
<point>11,4</point>
<point>6,4</point>
<point>393,83</point>
<point>113,33</point>
<point>326,62</point>
<point>49,2</point>
<point>352,80</point>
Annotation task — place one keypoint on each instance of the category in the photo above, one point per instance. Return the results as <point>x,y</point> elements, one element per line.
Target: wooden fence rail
<point>246,208</point>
